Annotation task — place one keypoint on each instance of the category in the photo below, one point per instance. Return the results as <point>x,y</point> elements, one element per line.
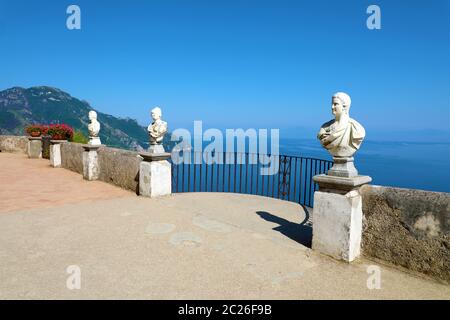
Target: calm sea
<point>423,166</point>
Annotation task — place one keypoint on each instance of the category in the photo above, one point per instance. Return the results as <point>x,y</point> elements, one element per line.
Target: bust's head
<point>92,115</point>
<point>156,113</point>
<point>340,104</point>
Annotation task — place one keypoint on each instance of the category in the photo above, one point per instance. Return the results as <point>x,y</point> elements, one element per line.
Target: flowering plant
<point>60,132</point>
<point>36,130</point>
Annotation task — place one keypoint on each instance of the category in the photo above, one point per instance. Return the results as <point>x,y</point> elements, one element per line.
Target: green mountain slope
<point>20,107</point>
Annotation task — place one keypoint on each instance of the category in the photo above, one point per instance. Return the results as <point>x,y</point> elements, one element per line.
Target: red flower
<point>36,129</point>
<point>56,131</point>
<point>60,132</point>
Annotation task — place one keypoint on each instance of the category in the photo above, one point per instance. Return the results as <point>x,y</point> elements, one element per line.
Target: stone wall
<point>16,144</point>
<point>409,228</point>
<point>117,166</point>
<point>72,156</point>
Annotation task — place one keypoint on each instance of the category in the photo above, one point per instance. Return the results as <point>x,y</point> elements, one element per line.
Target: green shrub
<point>79,137</point>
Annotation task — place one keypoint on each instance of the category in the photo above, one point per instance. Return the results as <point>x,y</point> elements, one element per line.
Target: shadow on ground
<point>299,232</point>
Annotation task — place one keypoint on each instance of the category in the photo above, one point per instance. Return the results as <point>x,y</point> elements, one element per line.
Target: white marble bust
<point>94,128</point>
<point>156,130</point>
<point>343,135</point>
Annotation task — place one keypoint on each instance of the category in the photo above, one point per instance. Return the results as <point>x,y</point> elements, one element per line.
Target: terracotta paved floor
<point>32,183</point>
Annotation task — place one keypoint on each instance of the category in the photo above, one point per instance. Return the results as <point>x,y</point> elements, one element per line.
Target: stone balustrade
<point>406,227</point>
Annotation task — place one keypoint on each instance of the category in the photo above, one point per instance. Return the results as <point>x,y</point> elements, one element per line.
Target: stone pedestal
<point>91,169</point>
<point>34,148</point>
<point>55,153</point>
<point>343,167</point>
<point>156,148</point>
<point>94,141</point>
<point>337,216</point>
<point>155,175</point>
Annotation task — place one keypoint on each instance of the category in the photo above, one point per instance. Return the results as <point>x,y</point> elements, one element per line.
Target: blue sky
<point>250,64</point>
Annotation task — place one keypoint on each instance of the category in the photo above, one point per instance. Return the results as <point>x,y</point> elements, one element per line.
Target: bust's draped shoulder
<point>327,124</point>
<point>341,139</point>
<point>357,133</point>
<point>324,129</point>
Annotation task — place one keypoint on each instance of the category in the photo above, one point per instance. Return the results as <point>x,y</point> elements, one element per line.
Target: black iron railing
<point>283,177</point>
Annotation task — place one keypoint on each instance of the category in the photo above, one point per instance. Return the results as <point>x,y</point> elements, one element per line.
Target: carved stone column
<point>337,216</point>
<point>55,153</point>
<point>91,168</point>
<point>155,175</point>
<point>34,148</point>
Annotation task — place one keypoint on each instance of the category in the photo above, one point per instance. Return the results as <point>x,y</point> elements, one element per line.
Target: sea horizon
<point>416,165</point>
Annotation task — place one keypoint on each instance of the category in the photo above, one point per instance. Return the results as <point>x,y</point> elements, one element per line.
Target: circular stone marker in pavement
<point>158,228</point>
<point>185,238</point>
<point>211,224</point>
